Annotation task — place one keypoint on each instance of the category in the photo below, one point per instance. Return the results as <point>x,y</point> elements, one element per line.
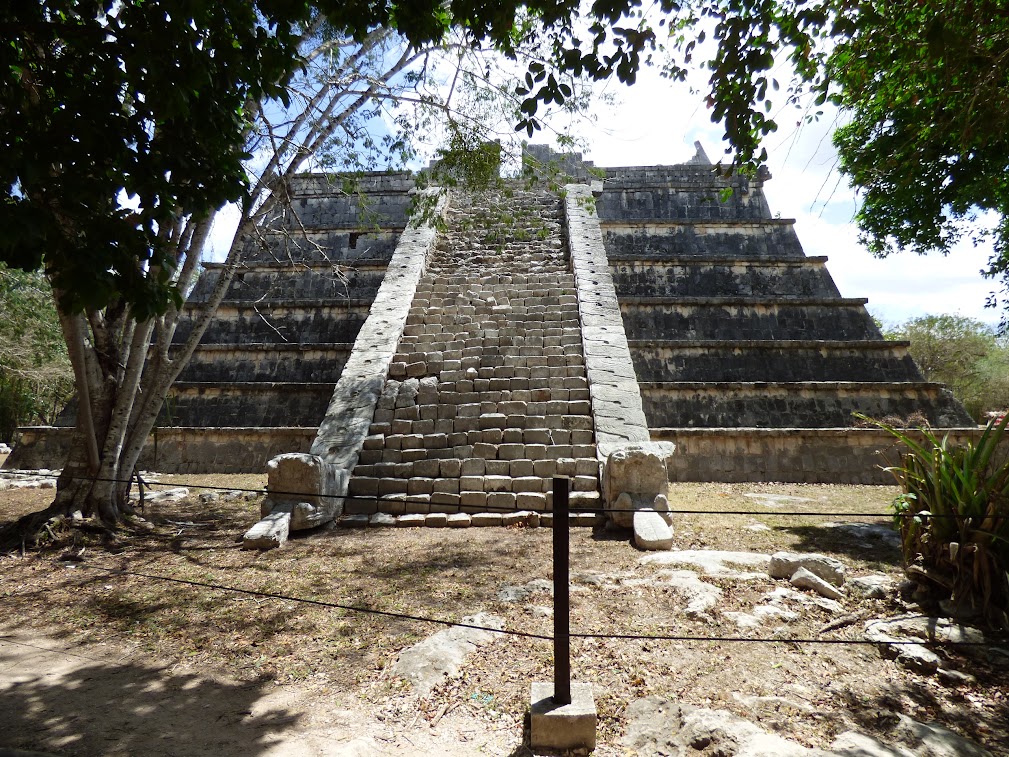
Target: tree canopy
<point>118,117</point>
<point>925,87</point>
<point>114,117</point>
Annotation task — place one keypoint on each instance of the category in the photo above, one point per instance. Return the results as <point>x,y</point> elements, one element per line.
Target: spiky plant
<point>953,516</point>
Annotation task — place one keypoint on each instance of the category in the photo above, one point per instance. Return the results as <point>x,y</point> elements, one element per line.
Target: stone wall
<point>819,404</point>
<point>282,281</point>
<point>745,319</point>
<point>252,403</point>
<point>844,456</point>
<point>679,193</point>
<point>284,322</point>
<point>324,201</point>
<point>730,324</point>
<point>772,360</point>
<point>275,363</point>
<point>331,246</point>
<point>278,344</point>
<point>176,450</point>
<point>740,240</point>
<point>724,278</point>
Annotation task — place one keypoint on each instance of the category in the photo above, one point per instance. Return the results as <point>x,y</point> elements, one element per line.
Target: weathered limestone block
<point>651,532</point>
<point>639,471</point>
<point>785,564</point>
<point>313,487</point>
<point>271,531</point>
<point>806,579</point>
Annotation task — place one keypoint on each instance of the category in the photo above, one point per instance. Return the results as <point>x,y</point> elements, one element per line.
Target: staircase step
<point>487,397</point>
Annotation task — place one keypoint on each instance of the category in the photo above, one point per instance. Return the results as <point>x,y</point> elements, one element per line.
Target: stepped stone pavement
<point>487,397</point>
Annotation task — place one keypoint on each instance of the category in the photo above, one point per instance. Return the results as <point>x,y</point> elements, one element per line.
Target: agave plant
<point>953,515</point>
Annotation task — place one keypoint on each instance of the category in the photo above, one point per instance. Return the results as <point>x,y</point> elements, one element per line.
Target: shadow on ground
<point>862,547</point>
<point>57,702</point>
<point>878,713</point>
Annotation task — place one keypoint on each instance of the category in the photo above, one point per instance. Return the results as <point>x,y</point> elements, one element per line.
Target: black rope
<point>523,634</point>
<point>316,602</point>
<point>498,508</point>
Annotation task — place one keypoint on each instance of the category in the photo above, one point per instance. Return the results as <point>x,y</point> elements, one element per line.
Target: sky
<point>657,122</point>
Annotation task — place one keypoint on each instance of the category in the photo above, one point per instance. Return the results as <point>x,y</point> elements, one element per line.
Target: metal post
<point>562,600</point>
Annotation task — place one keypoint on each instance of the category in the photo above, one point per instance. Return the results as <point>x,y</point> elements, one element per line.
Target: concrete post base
<point>570,726</point>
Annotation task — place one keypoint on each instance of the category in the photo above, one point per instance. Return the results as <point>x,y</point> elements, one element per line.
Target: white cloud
<point>222,233</point>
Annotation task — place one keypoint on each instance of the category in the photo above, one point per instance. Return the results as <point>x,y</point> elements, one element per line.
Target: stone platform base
<point>569,726</point>
<point>174,450</point>
<point>528,518</point>
<point>790,455</point>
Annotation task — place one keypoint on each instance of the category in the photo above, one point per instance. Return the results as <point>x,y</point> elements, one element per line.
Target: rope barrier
<point>575,509</point>
<point>522,634</point>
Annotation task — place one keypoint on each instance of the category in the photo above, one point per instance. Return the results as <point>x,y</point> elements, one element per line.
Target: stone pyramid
<point>476,358</point>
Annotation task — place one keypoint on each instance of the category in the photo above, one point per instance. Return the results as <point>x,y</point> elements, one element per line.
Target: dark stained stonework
<point>745,353</point>
<point>280,339</point>
<point>730,325</point>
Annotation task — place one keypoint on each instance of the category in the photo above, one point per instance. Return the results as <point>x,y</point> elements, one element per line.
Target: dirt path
<point>103,700</point>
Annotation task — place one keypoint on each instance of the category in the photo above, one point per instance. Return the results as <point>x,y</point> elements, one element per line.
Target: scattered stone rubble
<point>45,478</point>
<point>160,495</point>
<point>28,479</point>
<point>786,564</point>
<point>658,726</point>
<point>873,586</point>
<point>904,638</point>
<point>714,562</point>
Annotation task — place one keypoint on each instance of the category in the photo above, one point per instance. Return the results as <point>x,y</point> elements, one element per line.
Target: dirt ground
<point>99,655</point>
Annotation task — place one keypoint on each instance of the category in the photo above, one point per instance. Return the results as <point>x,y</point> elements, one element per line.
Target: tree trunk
<point>123,369</point>
<point>107,370</point>
<point>82,486</point>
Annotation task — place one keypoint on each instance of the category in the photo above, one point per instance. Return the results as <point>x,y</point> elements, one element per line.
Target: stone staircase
<point>486,398</point>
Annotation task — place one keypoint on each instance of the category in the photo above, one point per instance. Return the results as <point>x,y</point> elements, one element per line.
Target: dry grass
<point>67,589</point>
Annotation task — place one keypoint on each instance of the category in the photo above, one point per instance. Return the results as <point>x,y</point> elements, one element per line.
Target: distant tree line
<point>965,354</point>
<point>35,375</point>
